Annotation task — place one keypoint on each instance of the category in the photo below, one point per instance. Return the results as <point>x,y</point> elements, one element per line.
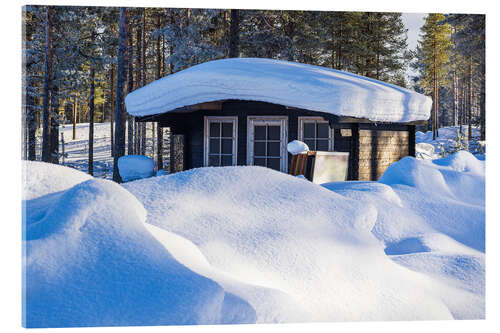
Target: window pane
<point>260,132</point>
<point>227,160</point>
<point>259,161</point>
<point>309,130</point>
<point>323,130</point>
<point>227,130</point>
<point>274,132</point>
<point>273,163</point>
<point>213,160</point>
<point>214,146</point>
<point>322,145</point>
<point>259,149</point>
<point>214,129</point>
<point>227,146</point>
<point>273,149</point>
<point>310,144</point>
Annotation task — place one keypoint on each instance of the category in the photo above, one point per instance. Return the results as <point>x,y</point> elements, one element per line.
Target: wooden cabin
<point>244,112</point>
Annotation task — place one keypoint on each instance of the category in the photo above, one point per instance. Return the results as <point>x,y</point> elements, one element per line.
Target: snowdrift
<point>294,250</point>
<point>90,261</point>
<point>431,217</point>
<point>41,178</point>
<point>287,83</point>
<point>249,244</point>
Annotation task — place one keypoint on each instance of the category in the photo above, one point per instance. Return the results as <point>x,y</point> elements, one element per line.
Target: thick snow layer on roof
<point>281,82</point>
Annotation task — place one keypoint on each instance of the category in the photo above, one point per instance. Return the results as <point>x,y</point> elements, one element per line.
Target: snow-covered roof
<point>287,83</point>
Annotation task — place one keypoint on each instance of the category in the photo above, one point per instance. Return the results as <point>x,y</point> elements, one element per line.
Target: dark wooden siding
<point>372,147</point>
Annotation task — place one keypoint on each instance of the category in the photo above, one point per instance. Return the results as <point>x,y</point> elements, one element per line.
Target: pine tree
<point>119,149</point>
<point>435,45</point>
<point>47,85</point>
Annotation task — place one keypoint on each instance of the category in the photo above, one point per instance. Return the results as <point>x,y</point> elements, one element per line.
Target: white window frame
<point>268,120</point>
<point>331,133</point>
<point>206,136</point>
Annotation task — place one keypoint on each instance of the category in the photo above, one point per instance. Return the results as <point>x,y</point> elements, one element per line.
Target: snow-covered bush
<point>132,167</point>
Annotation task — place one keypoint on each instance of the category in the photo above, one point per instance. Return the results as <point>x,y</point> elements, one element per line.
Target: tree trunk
<point>469,114</point>
<point>119,149</point>
<point>234,34</point>
<point>32,101</point>
<point>435,132</point>
<point>130,88</point>
<point>482,103</point>
<point>159,65</point>
<point>111,107</point>
<point>54,124</point>
<point>91,119</point>
<point>75,106</point>
<point>47,83</point>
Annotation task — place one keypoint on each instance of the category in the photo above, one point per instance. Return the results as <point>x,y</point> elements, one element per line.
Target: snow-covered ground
<point>76,151</point>
<point>249,244</point>
<point>446,142</point>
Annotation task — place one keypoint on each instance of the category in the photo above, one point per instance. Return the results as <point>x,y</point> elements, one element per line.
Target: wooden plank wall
<point>378,149</point>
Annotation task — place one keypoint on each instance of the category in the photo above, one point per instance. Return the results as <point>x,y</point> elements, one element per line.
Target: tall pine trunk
<point>234,34</point>
<point>469,114</point>
<point>111,106</point>
<point>91,118</point>
<point>54,123</point>
<point>130,88</point>
<point>32,102</point>
<point>159,133</point>
<point>482,103</point>
<point>47,83</point>
<point>119,149</point>
<point>143,75</point>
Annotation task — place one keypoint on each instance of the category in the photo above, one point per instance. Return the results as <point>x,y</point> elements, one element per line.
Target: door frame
<point>268,120</point>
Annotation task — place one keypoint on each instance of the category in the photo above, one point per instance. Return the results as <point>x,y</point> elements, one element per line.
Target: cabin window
<point>316,133</point>
<point>267,138</point>
<point>220,141</point>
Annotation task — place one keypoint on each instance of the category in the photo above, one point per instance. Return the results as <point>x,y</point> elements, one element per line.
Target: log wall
<point>378,149</point>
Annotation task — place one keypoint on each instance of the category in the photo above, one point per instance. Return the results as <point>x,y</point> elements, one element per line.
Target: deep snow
<point>249,244</point>
<point>90,261</point>
<point>445,143</point>
<point>287,83</point>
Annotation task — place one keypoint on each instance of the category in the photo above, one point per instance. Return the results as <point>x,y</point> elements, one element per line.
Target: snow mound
<point>424,150</point>
<point>132,167</point>
<point>462,161</point>
<point>90,261</point>
<point>293,250</point>
<point>281,82</point>
<point>40,178</point>
<point>297,147</point>
<point>431,218</point>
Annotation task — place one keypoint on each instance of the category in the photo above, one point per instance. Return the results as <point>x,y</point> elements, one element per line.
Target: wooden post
<point>355,152</point>
<point>411,140</point>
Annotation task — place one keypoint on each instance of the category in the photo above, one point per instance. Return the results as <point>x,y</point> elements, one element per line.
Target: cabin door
<point>266,143</point>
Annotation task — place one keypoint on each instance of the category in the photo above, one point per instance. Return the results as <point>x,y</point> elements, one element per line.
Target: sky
<point>413,23</point>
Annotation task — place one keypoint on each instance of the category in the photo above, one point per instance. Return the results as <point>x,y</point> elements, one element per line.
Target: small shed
<point>244,111</point>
